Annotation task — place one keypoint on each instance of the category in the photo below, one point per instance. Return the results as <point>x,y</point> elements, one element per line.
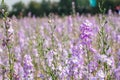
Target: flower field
<point>68,48</point>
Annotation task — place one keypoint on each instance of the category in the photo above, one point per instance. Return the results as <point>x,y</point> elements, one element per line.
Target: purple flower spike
<point>86,32</point>
<point>28,68</point>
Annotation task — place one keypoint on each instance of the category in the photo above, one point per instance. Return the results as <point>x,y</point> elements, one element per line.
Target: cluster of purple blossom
<point>68,48</point>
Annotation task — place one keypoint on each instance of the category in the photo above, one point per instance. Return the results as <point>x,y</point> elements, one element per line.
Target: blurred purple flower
<point>117,73</point>
<point>8,30</point>
<point>76,62</point>
<point>22,38</point>
<point>101,75</point>
<point>93,65</point>
<point>18,71</point>
<point>86,33</point>
<point>70,24</point>
<point>28,68</point>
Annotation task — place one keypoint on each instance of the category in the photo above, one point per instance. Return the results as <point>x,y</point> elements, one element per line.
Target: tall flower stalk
<point>104,43</point>
<point>7,41</point>
<point>86,41</point>
<point>28,68</point>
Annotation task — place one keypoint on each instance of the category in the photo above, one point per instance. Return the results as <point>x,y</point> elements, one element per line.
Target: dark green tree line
<point>63,7</point>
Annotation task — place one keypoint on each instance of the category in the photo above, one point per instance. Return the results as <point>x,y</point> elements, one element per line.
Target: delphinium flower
<point>86,36</point>
<point>104,61</point>
<point>101,75</point>
<point>86,33</point>
<point>60,29</point>
<point>93,65</point>
<point>117,70</point>
<point>49,58</point>
<point>93,78</point>
<point>8,42</point>
<point>22,38</point>
<point>106,66</point>
<point>8,32</point>
<point>76,63</point>
<point>107,58</point>
<point>62,64</point>
<point>70,24</point>
<point>114,36</point>
<point>4,68</point>
<point>2,71</point>
<point>56,61</point>
<point>118,38</point>
<point>41,76</point>
<point>51,65</point>
<point>28,68</point>
<point>35,52</point>
<point>118,54</point>
<point>117,73</point>
<point>18,71</point>
<point>17,52</point>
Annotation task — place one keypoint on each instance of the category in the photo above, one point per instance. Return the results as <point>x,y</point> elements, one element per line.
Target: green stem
<point>10,62</point>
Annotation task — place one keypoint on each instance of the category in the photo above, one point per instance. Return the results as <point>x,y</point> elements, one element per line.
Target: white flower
<point>88,23</point>
<point>75,60</point>
<point>1,50</point>
<point>103,58</point>
<point>60,68</point>
<point>100,74</point>
<point>109,62</point>
<point>10,30</point>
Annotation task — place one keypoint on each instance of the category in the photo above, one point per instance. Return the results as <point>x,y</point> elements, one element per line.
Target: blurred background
<point>41,8</point>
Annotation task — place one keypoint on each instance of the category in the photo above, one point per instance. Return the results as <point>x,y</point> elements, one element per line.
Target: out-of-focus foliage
<point>18,9</point>
<point>4,6</point>
<point>34,8</point>
<point>63,7</point>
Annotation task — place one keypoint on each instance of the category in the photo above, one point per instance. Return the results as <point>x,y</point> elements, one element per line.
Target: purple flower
<point>86,33</point>
<point>100,74</point>
<point>93,65</point>
<point>35,52</point>
<point>49,58</point>
<point>41,76</point>
<point>22,38</point>
<point>93,78</point>
<point>76,62</point>
<point>28,67</point>
<point>8,30</point>
<point>18,71</point>
<point>117,73</point>
<point>70,24</point>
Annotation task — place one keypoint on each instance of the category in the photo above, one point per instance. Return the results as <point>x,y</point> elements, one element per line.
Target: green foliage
<point>45,7</point>
<point>4,6</point>
<point>34,8</point>
<point>18,9</point>
<point>63,7</point>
